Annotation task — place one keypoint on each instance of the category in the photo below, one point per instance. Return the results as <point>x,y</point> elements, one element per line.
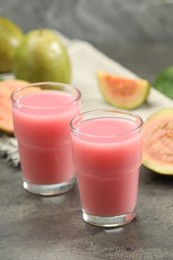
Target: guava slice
<point>158,142</point>
<point>164,82</point>
<point>6,88</point>
<point>123,92</point>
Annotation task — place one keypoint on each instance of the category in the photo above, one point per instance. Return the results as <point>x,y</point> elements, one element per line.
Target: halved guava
<point>123,92</point>
<point>6,88</point>
<point>158,142</point>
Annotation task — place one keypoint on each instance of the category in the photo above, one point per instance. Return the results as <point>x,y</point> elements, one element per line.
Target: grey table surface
<point>35,227</point>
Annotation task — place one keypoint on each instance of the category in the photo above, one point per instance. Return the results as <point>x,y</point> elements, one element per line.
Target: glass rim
<point>37,84</point>
<point>118,111</point>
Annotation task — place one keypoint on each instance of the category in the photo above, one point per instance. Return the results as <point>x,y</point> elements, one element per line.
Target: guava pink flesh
<point>122,91</point>
<point>158,141</point>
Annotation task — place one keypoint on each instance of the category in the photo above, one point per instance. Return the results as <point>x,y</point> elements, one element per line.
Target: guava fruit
<point>123,92</point>
<point>6,89</point>
<point>42,56</point>
<point>10,37</point>
<point>164,82</point>
<point>158,141</point>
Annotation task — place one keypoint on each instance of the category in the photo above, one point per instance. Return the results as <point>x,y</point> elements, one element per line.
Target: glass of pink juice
<point>41,116</point>
<point>107,153</point>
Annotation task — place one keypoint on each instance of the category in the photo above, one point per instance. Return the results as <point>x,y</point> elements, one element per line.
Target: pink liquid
<point>44,137</point>
<point>107,168</point>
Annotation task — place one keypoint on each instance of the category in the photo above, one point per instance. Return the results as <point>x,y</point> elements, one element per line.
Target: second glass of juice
<point>41,116</point>
<point>107,152</point>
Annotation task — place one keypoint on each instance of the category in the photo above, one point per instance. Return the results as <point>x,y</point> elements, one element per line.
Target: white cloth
<point>86,62</point>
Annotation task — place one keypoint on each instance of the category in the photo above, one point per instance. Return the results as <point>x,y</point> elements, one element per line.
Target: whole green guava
<point>42,56</point>
<point>10,37</point>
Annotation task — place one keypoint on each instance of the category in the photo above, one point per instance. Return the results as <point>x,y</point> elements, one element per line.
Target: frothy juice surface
<point>41,125</point>
<point>107,162</point>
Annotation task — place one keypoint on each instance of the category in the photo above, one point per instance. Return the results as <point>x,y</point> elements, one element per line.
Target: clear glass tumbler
<point>41,116</point>
<point>107,152</point>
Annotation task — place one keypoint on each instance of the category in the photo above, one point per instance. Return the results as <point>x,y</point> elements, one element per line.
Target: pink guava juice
<point>107,157</point>
<point>41,126</point>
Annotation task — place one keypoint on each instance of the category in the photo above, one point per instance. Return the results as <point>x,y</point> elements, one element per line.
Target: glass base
<point>114,221</point>
<point>49,190</point>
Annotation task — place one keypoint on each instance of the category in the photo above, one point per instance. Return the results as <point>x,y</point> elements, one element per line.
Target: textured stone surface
<point>33,227</point>
<point>98,21</point>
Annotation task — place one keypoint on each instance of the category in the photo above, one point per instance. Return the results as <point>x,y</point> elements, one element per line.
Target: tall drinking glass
<point>107,151</point>
<point>41,115</point>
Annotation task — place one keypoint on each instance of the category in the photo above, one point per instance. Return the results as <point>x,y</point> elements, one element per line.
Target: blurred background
<point>98,21</point>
